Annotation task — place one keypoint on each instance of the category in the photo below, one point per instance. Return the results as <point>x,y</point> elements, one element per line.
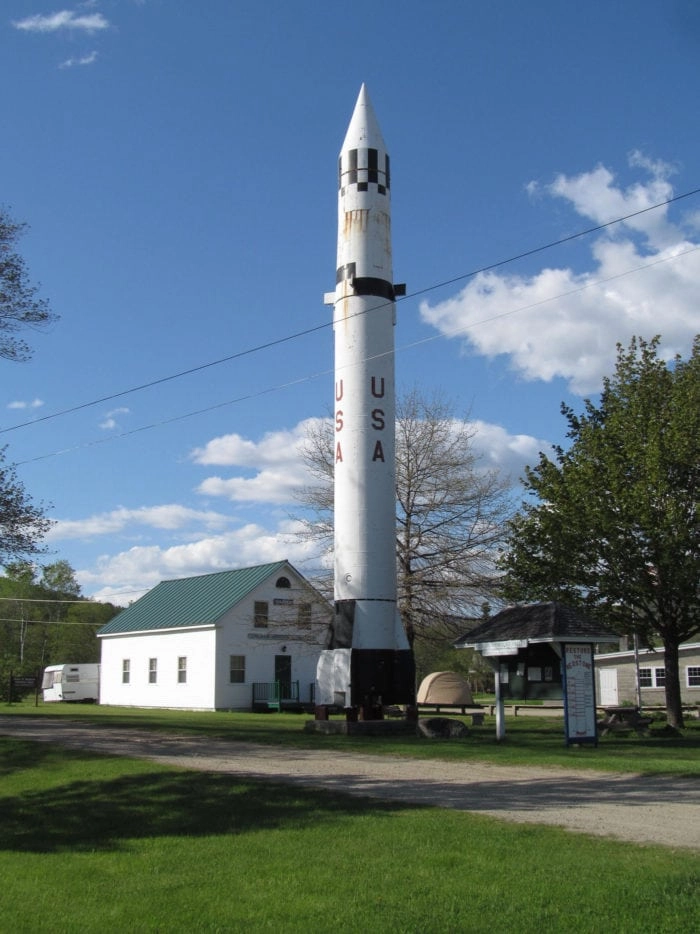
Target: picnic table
<point>623,719</point>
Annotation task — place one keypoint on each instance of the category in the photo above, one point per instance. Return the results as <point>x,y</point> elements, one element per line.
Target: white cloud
<point>268,486</point>
<point>594,195</point>
<point>277,471</point>
<point>110,420</point>
<point>233,450</point>
<point>63,19</point>
<point>170,517</point>
<point>275,464</point>
<point>644,280</point>
<point>127,575</point>
<point>21,404</point>
<point>88,59</point>
<point>204,541</point>
<point>509,453</point>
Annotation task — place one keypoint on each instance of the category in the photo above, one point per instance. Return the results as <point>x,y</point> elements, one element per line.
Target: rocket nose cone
<point>363,130</point>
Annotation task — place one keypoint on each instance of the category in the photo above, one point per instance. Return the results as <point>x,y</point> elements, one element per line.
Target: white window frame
<point>656,675</point>
<point>261,614</point>
<point>695,669</point>
<point>182,669</point>
<point>126,671</point>
<point>237,668</point>
<point>153,671</point>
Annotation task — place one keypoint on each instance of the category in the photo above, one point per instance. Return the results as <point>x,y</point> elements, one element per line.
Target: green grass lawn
<point>529,739</point>
<point>107,844</point>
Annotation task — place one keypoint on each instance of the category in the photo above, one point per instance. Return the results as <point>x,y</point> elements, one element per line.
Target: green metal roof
<point>190,601</point>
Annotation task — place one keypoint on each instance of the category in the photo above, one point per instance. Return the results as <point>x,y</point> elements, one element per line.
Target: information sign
<point>579,694</point>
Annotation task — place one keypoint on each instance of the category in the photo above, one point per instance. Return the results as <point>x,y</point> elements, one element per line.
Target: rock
<point>441,728</point>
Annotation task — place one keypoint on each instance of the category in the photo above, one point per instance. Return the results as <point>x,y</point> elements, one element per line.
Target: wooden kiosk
<point>543,651</point>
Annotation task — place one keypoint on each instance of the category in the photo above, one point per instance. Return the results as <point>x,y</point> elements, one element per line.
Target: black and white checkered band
<point>364,167</point>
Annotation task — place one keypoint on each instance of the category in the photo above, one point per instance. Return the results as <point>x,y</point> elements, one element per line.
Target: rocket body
<point>369,662</point>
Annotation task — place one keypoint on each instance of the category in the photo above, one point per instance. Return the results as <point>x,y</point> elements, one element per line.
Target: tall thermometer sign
<point>579,694</point>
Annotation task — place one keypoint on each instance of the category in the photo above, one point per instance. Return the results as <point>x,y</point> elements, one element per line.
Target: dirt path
<point>638,808</point>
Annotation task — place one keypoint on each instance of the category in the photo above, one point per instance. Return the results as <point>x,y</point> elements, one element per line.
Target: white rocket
<point>368,662</point>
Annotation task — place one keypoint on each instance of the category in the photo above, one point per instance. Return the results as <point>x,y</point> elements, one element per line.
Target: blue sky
<point>176,162</point>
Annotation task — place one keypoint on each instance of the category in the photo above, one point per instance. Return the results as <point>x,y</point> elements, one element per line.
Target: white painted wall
<point>208,651</point>
<point>237,635</point>
<point>198,646</point>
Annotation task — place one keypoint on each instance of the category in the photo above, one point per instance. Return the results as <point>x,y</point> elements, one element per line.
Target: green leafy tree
<point>58,587</point>
<point>74,638</point>
<point>44,620</point>
<point>22,523</point>
<point>22,576</point>
<point>19,306</point>
<point>59,578</point>
<point>615,526</point>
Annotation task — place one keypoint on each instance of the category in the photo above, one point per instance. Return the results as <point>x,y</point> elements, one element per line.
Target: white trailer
<point>71,683</point>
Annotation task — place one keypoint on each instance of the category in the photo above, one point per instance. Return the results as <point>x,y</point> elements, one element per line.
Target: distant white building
<point>617,676</point>
<point>212,642</point>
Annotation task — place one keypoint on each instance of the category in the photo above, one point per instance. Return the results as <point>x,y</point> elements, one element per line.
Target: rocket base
<point>366,679</point>
<point>380,677</point>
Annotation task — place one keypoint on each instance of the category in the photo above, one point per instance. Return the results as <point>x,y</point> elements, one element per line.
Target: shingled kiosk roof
<point>536,622</point>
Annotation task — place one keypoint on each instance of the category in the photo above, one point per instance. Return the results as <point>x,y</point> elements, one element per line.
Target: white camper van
<point>71,682</point>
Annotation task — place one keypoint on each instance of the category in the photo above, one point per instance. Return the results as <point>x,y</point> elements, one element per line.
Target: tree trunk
<point>674,704</point>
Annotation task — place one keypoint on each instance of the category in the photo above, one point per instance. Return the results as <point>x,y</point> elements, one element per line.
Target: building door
<point>283,674</point>
<point>608,687</point>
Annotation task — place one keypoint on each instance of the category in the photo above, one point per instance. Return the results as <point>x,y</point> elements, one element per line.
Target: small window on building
<point>237,669</point>
<point>126,670</point>
<point>182,669</point>
<point>152,670</point>
<point>692,673</point>
<point>652,677</point>
<point>261,614</point>
<point>283,582</point>
<point>304,614</point>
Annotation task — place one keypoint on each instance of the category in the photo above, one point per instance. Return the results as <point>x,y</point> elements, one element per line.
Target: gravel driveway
<point>638,808</point>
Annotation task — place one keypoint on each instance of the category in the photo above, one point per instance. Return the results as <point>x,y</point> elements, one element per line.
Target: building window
<point>304,614</point>
<point>692,674</point>
<point>182,669</point>
<point>652,677</point>
<point>283,582</point>
<point>237,669</point>
<point>152,670</point>
<point>261,614</point>
<point>126,670</point>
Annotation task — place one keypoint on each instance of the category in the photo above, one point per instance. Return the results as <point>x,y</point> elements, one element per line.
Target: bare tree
<point>451,515</point>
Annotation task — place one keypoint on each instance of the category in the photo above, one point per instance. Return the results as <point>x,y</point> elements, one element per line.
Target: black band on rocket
<point>366,285</point>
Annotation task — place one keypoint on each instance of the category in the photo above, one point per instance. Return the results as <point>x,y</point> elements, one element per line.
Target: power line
<point>307,331</point>
<point>86,600</point>
<point>54,622</point>
<point>309,378</point>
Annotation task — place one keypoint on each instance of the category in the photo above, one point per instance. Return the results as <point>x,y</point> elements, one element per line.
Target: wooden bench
<point>623,720</point>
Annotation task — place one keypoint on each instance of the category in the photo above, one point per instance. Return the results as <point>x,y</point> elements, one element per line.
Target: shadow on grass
<point>85,816</point>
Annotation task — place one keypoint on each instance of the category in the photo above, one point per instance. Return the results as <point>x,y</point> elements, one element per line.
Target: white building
<point>618,672</point>
<point>211,642</point>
